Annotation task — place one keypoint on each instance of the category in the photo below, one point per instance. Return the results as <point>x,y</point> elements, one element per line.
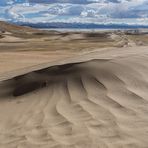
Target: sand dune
<point>98,100</point>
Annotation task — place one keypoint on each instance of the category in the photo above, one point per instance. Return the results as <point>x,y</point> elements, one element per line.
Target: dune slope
<point>100,102</point>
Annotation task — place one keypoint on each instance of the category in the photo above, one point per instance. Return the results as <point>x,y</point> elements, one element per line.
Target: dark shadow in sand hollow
<point>29,82</point>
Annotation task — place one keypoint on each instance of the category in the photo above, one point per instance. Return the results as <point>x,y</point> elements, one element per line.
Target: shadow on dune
<point>39,79</point>
<point>28,87</point>
<point>32,81</point>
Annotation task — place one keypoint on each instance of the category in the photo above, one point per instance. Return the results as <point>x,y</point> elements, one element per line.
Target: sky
<point>131,12</point>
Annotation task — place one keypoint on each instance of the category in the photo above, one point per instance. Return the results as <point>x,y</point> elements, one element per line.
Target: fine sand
<point>94,100</point>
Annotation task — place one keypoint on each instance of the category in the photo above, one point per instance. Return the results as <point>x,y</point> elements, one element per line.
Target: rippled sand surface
<point>97,100</point>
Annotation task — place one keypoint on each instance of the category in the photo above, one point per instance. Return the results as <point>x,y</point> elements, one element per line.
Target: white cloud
<point>84,11</point>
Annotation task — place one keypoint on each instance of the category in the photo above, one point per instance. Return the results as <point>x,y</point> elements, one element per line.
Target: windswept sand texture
<point>100,102</point>
<point>97,99</point>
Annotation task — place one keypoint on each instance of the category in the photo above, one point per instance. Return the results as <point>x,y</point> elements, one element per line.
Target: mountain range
<point>81,25</point>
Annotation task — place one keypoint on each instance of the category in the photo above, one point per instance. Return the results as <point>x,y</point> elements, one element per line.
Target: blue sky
<point>77,11</point>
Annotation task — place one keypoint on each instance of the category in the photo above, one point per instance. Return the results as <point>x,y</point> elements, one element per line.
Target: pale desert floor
<point>94,100</point>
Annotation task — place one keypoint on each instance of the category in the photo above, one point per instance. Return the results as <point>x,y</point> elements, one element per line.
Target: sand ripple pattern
<point>94,104</point>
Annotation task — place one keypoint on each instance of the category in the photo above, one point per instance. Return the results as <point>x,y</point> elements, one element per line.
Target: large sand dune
<point>97,100</point>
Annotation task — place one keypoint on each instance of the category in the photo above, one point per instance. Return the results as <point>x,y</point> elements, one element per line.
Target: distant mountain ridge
<point>81,25</point>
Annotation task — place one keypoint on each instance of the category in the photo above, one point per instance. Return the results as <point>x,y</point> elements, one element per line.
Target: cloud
<point>72,1</point>
<point>84,11</point>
